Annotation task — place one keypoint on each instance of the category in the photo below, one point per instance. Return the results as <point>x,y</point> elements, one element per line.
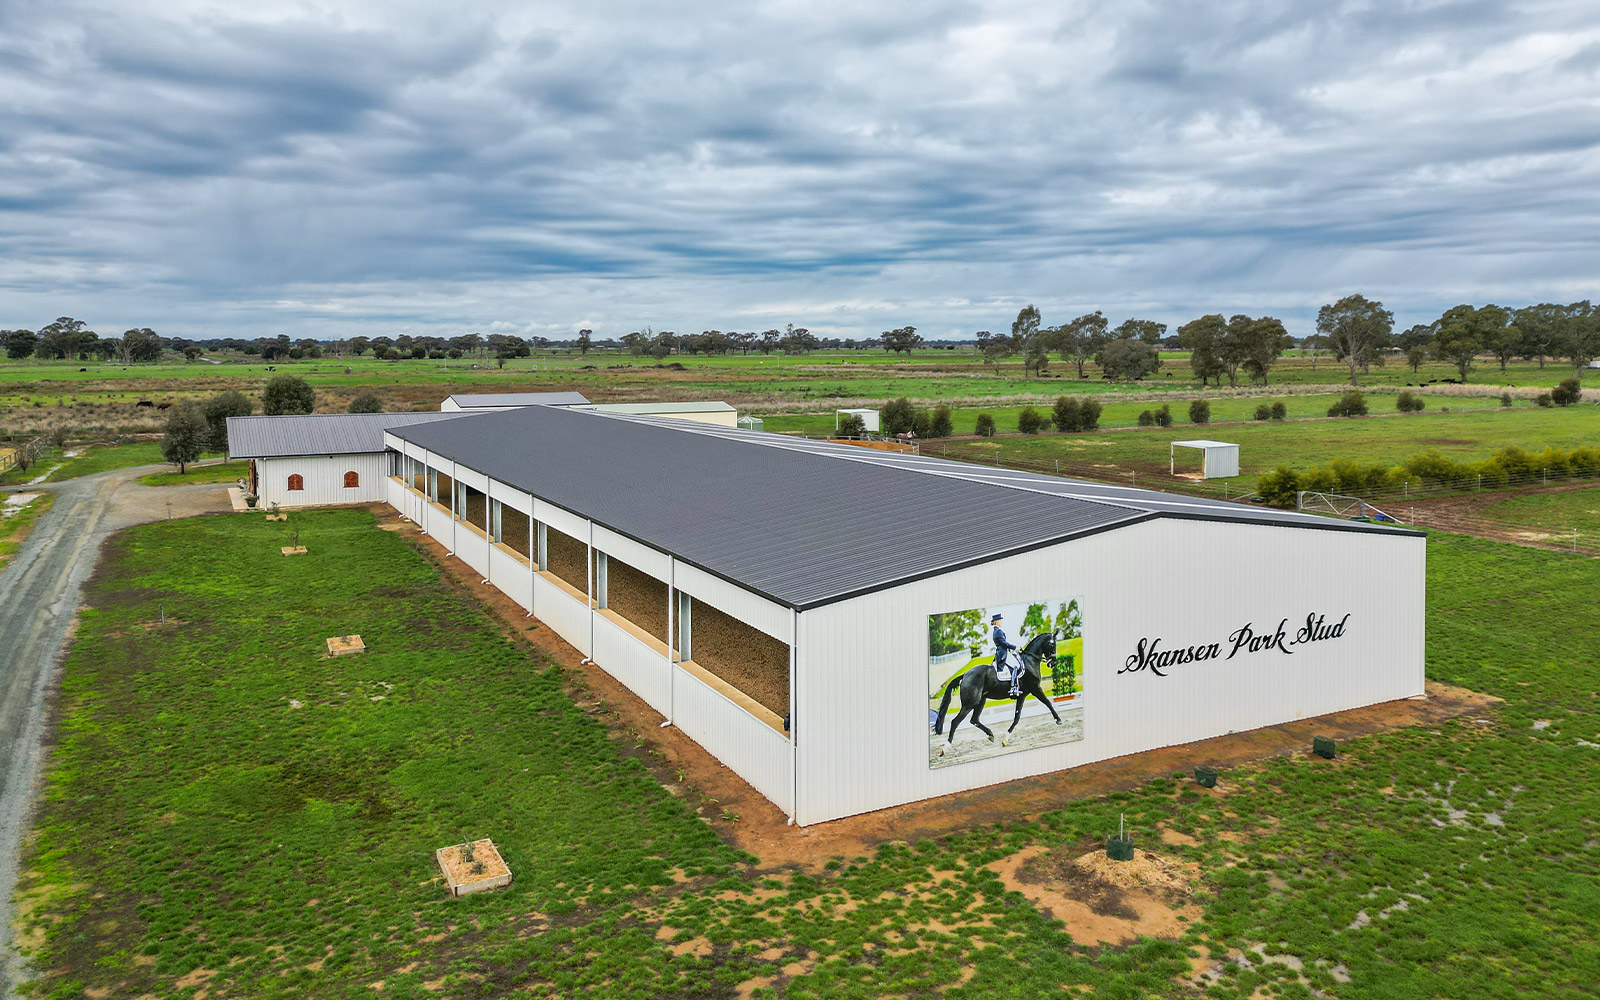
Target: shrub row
<point>1428,469</point>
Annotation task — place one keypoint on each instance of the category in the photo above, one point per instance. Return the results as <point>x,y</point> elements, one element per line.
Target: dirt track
<point>1032,731</point>
<point>1468,515</point>
<point>39,594</point>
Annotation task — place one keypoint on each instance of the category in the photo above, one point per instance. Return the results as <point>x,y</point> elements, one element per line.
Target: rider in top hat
<point>1002,645</point>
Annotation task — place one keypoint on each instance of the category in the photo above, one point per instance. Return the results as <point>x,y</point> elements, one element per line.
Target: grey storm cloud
<point>383,167</point>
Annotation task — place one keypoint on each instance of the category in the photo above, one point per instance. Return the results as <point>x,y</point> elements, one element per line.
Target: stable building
<point>313,459</point>
<point>839,626</point>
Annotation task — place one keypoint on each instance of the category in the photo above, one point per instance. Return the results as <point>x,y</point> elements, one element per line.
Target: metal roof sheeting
<point>703,406</point>
<point>318,433</point>
<point>801,529</point>
<point>478,400</point>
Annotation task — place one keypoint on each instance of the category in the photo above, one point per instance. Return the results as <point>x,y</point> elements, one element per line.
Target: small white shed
<point>1219,459</point>
<point>869,419</point>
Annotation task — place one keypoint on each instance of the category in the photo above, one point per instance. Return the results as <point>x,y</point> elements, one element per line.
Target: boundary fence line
<point>13,456</point>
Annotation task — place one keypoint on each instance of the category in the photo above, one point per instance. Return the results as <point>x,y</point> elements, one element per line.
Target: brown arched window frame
<point>297,482</point>
<point>352,480</point>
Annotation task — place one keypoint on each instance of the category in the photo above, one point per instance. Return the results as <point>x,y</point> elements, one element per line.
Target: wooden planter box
<point>346,645</point>
<point>459,876</point>
<point>293,550</point>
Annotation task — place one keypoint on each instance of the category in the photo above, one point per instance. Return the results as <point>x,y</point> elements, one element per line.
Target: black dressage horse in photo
<point>982,683</point>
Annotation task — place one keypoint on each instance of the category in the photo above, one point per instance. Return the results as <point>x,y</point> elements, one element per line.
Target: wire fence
<point>21,455</point>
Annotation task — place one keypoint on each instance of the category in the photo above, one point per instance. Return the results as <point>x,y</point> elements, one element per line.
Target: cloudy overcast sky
<point>389,167</point>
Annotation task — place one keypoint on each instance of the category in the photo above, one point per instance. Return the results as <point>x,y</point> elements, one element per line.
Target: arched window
<point>352,480</point>
<point>297,482</point>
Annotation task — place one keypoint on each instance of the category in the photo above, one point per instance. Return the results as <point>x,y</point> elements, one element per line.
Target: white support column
<point>793,716</point>
<point>589,567</point>
<point>673,641</point>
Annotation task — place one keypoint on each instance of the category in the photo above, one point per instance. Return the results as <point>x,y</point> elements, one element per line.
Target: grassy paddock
<point>223,472</point>
<point>1301,444</point>
<point>228,808</point>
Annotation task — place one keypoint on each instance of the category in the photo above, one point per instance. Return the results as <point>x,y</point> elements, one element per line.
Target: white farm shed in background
<point>314,459</point>
<point>1219,459</point>
<point>869,419</point>
<point>798,607</point>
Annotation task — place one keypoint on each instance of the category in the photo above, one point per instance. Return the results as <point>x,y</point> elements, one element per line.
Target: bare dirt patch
<point>1104,902</point>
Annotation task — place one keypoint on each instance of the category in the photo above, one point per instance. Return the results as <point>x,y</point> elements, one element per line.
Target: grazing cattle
<point>144,402</point>
<point>83,369</point>
<point>164,406</point>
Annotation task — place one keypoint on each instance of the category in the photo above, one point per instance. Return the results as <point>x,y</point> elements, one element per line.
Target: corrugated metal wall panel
<point>561,520</point>
<point>861,699</point>
<point>511,497</point>
<point>640,557</point>
<point>752,609</point>
<point>472,549</point>
<point>511,577</point>
<point>566,617</point>
<point>750,748</point>
<point>324,480</point>
<point>640,668</point>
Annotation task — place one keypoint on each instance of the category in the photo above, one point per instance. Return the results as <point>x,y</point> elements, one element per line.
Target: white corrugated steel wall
<point>636,665</point>
<point>749,747</point>
<point>324,480</point>
<point>861,705</point>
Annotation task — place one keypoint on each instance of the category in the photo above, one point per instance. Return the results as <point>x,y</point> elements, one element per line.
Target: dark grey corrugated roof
<point>472,400</point>
<point>800,529</point>
<point>318,433</point>
<point>802,522</point>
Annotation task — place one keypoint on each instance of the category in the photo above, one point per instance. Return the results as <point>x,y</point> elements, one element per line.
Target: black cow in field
<point>143,403</point>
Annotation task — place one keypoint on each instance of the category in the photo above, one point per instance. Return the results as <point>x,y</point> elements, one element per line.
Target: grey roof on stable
<point>319,433</point>
<point>802,522</point>
<point>699,406</point>
<point>476,400</point>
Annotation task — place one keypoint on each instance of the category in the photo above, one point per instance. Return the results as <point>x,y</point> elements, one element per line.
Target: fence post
<point>1480,480</point>
<point>1413,517</point>
<point>1574,539</point>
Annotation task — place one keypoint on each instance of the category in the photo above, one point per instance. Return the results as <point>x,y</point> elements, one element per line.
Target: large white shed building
<point>822,618</point>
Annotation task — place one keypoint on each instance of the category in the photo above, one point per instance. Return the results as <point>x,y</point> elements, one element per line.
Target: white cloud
<point>376,166</point>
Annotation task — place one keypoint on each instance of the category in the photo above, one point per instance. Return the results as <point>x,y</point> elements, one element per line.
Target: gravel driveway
<point>39,594</point>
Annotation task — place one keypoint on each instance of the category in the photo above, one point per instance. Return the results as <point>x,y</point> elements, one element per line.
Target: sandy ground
<point>39,596</point>
<point>763,830</point>
<point>1032,731</point>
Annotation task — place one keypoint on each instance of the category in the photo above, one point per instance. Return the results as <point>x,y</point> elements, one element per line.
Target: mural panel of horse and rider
<point>1025,659</point>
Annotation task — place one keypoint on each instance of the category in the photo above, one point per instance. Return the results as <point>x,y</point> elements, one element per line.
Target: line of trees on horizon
<point>1355,331</point>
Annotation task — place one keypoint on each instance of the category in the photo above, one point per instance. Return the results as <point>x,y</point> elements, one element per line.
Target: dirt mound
<point>1105,902</point>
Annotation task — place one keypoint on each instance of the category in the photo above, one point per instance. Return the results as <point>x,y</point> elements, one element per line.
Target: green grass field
<point>227,808</point>
<point>1470,434</point>
<point>221,472</point>
<point>1579,509</point>
<point>105,458</point>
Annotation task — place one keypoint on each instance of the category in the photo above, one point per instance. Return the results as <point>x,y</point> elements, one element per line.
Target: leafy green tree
<point>1460,337</point>
<point>20,343</point>
<point>1031,421</point>
<point>953,630</point>
<point>985,427</point>
<point>1147,330</point>
<point>1255,345</point>
<point>1199,412</point>
<point>1146,418</point>
<point>1578,333</point>
<point>1089,414</point>
<point>65,338</point>
<point>1066,414</point>
<point>1163,415</point>
<point>1033,341</point>
<point>851,425</point>
<point>1083,339</point>
<point>941,426</point>
<point>1569,391</point>
<point>367,402</point>
<point>1129,359</point>
<point>1351,404</point>
<point>1415,356</point>
<point>216,412</point>
<point>185,436</point>
<point>1279,411</point>
<point>585,342</point>
<point>1263,412</point>
<point>287,394</point>
<point>1202,338</point>
<point>901,341</point>
<point>1358,330</point>
<point>898,416</point>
